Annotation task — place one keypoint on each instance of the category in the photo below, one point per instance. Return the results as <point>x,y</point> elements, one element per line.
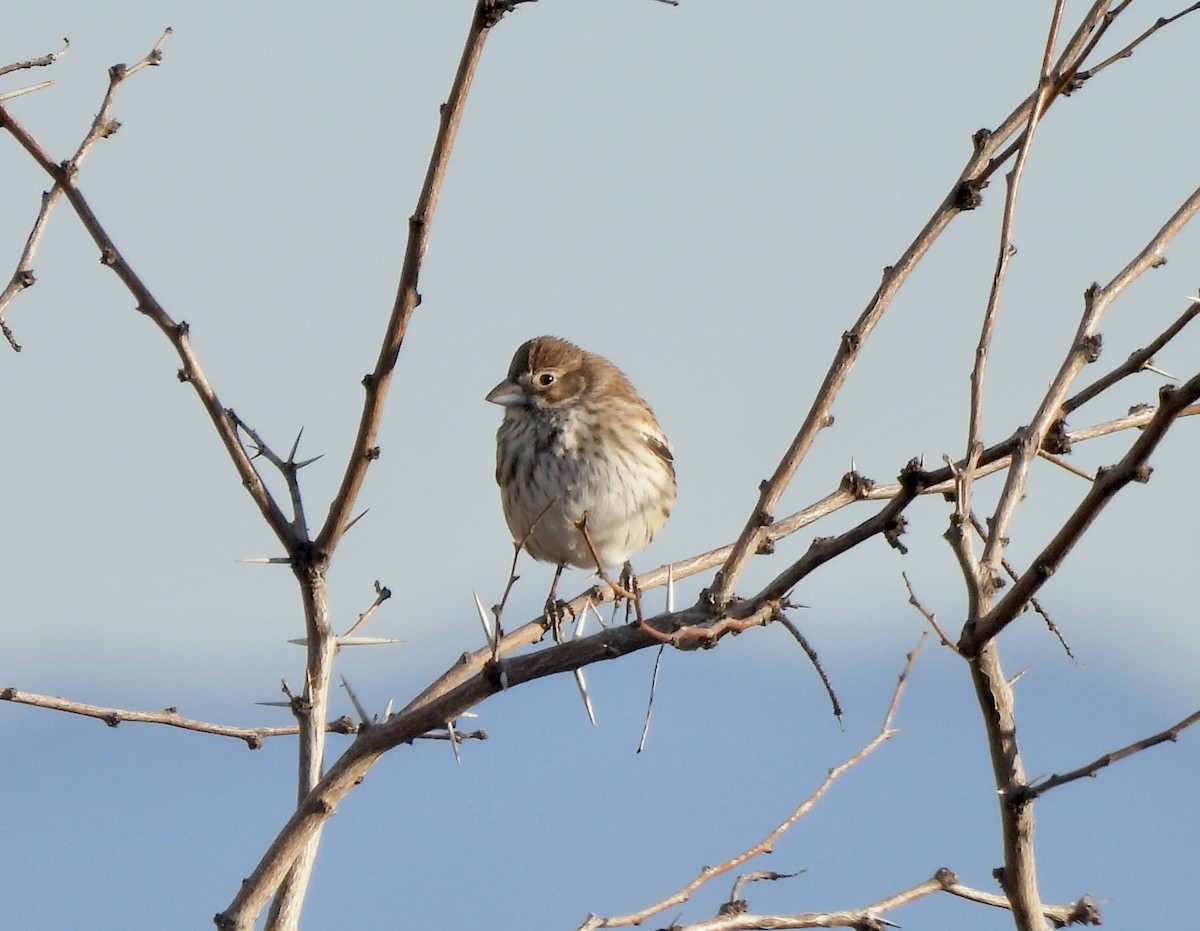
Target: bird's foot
<point>555,613</point>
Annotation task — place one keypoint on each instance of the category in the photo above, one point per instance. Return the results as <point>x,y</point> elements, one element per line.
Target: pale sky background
<point>705,194</point>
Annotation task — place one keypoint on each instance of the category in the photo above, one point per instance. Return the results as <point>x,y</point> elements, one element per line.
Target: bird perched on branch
<point>585,471</point>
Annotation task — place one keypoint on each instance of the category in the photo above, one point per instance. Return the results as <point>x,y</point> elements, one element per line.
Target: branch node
<point>967,196</point>
<point>857,484</point>
<point>893,530</point>
<point>1056,442</point>
<point>946,877</point>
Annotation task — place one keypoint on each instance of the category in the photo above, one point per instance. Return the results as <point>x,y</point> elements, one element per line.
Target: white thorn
<point>1157,371</point>
<point>583,693</point>
<point>9,95</point>
<point>484,619</point>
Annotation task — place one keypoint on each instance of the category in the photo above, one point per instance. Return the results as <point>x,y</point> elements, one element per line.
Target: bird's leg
<point>498,610</point>
<point>555,609</point>
<point>620,589</point>
<point>629,582</point>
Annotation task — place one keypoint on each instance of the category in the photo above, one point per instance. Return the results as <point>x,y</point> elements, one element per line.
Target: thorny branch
<point>1170,735</point>
<point>766,845</point>
<point>964,195</point>
<point>479,674</point>
<point>102,126</point>
<point>870,917</point>
<point>253,736</point>
<point>979,574</point>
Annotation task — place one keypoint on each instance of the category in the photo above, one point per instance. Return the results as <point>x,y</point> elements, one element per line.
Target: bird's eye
<point>546,379</point>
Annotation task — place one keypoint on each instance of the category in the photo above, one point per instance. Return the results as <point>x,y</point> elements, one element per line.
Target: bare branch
<point>102,126</point>
<point>870,917</point>
<point>1138,361</point>
<point>382,594</point>
<point>1127,51</point>
<point>815,660</point>
<point>253,736</point>
<point>1084,349</point>
<point>964,195</point>
<point>487,14</point>
<point>41,62</point>
<point>1132,467</point>
<point>928,615</point>
<point>64,177</point>
<point>1042,97</point>
<point>1171,734</point>
<point>767,843</point>
<point>22,91</point>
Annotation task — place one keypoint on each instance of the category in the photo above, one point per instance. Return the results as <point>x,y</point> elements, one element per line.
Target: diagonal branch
<point>980,573</point>
<point>1170,735</point>
<point>963,195</point>
<point>1137,361</point>
<point>253,736</point>
<point>870,917</point>
<point>40,62</point>
<point>65,178</point>
<point>487,14</point>
<point>767,844</point>
<point>1132,467</point>
<point>102,126</point>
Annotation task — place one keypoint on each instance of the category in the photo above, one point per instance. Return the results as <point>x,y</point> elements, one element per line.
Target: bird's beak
<point>507,394</point>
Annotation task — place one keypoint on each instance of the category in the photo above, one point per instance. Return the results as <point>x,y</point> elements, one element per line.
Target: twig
<point>1171,734</point>
<point>253,736</point>
<point>1127,51</point>
<point>1137,361</point>
<point>177,333</point>
<point>102,126</point>
<point>1033,602</point>
<point>22,91</point>
<point>928,615</point>
<point>289,468</point>
<point>735,896</point>
<point>289,874</point>
<point>1084,349</point>
<point>963,195</point>
<point>487,13</point>
<point>767,843</point>
<point>650,701</point>
<point>816,662</point>
<point>382,594</point>
<point>993,548</point>
<point>1132,467</point>
<point>1066,466</point>
<point>869,918</point>
<point>41,62</point>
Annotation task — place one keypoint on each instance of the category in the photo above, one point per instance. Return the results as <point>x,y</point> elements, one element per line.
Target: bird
<point>586,474</point>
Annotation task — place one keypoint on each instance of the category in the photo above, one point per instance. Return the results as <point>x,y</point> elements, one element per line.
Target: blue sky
<point>707,196</point>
